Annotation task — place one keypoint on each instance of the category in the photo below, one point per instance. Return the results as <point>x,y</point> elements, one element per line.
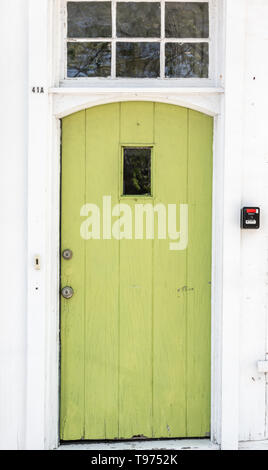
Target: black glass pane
<point>186,60</point>
<point>137,59</point>
<point>137,171</point>
<point>89,59</point>
<point>138,20</point>
<point>89,19</point>
<point>187,20</point>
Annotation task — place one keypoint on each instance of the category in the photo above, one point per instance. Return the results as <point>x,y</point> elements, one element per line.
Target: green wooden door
<point>135,336</point>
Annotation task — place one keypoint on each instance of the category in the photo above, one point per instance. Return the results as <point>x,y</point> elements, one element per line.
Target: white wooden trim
<point>45,112</point>
<point>263,367</point>
<point>154,83</point>
<point>100,90</point>
<point>42,381</point>
<point>37,226</point>
<point>67,104</point>
<point>156,1</point>
<point>232,200</point>
<point>140,39</point>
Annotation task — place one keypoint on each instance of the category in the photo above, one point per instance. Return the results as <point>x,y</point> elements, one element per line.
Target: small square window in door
<point>137,163</point>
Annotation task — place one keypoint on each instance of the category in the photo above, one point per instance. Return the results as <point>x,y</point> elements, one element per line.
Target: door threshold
<point>162,444</point>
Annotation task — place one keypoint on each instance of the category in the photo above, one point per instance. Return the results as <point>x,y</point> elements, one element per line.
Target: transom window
<point>138,39</point>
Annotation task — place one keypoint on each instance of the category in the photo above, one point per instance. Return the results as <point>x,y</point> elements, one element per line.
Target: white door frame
<point>45,111</point>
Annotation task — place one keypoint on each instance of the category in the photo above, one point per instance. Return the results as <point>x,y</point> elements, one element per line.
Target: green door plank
<point>137,123</point>
<point>199,274</point>
<point>102,279</point>
<point>72,274</point>
<point>169,350</point>
<point>135,378</point>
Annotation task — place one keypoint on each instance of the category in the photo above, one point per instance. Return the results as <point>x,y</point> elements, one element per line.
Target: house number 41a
<point>38,89</point>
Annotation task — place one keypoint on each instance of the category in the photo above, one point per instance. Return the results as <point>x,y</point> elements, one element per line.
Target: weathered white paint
<point>254,445</point>
<point>13,233</point>
<point>171,444</point>
<point>29,376</point>
<point>254,268</point>
<point>233,122</point>
<point>263,367</point>
<point>38,238</point>
<point>64,104</point>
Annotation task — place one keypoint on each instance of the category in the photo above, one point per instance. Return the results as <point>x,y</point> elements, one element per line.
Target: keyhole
<point>37,263</point>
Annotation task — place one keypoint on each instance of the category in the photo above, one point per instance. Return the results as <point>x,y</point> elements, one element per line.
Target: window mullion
<point>187,57</point>
<point>113,45</point>
<point>162,44</point>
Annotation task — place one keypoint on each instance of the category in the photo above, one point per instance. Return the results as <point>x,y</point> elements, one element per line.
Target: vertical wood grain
<point>102,279</point>
<point>169,332</point>
<point>135,379</point>
<point>72,274</point>
<point>199,274</point>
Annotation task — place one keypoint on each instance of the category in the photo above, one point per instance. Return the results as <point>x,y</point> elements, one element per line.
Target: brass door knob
<point>67,292</point>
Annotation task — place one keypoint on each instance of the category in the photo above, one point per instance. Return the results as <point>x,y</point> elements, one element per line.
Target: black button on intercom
<point>250,217</point>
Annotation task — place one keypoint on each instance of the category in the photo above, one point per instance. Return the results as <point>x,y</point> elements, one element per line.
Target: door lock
<point>67,292</point>
<point>67,254</point>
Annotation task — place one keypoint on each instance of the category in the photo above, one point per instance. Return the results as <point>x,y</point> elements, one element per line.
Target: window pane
<point>187,20</point>
<point>138,20</point>
<point>137,59</point>
<point>137,171</point>
<point>89,59</point>
<point>89,19</point>
<point>186,60</point>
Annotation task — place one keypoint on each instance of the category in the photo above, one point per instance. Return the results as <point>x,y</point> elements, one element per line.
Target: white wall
<point>254,251</point>
<point>253,295</point>
<point>13,194</point>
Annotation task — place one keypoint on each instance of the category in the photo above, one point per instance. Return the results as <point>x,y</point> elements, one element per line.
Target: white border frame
<point>45,112</point>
